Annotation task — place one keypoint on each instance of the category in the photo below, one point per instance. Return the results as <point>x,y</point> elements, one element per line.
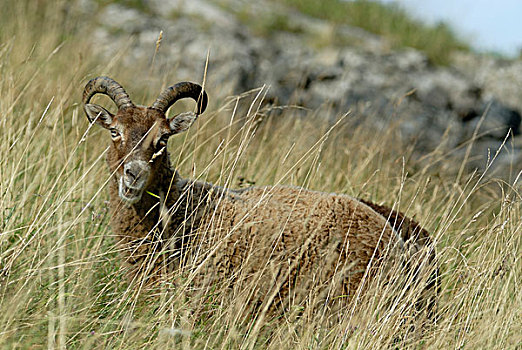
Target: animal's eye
<point>115,134</point>
<point>162,142</point>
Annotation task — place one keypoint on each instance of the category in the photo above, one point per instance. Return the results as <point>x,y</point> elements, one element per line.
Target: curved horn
<point>178,91</point>
<point>109,87</point>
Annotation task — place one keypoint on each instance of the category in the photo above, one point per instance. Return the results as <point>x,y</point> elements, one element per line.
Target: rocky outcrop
<point>311,63</point>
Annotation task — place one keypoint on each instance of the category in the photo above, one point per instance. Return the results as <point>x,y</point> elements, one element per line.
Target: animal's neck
<point>187,202</point>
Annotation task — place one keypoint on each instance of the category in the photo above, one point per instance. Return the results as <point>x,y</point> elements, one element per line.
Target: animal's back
<point>292,243</point>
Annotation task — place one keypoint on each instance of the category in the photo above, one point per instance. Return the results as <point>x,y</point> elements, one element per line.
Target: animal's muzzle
<point>135,174</point>
<point>133,181</point>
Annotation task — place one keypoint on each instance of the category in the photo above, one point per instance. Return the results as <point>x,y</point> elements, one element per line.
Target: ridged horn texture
<point>178,91</point>
<point>109,87</point>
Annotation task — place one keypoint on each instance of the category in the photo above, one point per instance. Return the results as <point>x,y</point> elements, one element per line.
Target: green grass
<point>390,21</point>
<point>266,24</point>
<point>62,282</point>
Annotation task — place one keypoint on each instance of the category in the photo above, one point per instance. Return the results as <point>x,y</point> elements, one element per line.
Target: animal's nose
<point>130,174</point>
<point>135,174</point>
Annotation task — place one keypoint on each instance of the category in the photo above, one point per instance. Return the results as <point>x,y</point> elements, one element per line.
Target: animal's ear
<point>182,122</point>
<point>98,114</point>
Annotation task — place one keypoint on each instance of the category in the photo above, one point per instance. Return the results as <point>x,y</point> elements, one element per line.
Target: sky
<point>490,25</point>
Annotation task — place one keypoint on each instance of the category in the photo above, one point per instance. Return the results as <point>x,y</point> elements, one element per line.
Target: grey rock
<point>118,18</point>
<point>497,121</point>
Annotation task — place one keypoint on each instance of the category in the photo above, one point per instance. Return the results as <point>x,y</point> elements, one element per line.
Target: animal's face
<point>139,139</point>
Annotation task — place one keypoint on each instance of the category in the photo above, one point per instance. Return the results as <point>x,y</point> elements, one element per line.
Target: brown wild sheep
<point>284,240</point>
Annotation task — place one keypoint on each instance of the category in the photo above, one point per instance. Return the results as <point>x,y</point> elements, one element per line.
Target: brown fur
<point>285,241</point>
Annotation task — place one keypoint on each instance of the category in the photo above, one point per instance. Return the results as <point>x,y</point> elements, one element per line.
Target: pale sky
<point>492,25</point>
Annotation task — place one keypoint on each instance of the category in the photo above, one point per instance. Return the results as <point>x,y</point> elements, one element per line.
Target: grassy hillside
<point>61,281</point>
<point>390,21</point>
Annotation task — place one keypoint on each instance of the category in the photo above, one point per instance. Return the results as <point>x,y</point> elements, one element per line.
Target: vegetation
<point>388,20</point>
<point>140,5</point>
<point>61,281</point>
<point>265,24</point>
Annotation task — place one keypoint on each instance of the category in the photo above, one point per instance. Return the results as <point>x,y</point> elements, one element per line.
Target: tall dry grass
<point>61,284</point>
